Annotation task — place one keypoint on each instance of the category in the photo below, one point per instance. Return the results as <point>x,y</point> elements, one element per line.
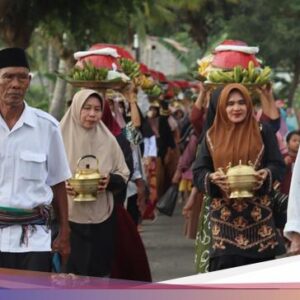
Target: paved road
<point>170,254</point>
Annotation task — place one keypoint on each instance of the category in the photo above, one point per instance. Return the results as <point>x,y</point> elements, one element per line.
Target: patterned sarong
<point>203,238</point>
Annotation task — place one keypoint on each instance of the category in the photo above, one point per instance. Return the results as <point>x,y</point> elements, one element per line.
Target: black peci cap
<point>13,57</point>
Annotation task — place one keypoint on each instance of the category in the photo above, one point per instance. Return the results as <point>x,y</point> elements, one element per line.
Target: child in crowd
<point>293,141</point>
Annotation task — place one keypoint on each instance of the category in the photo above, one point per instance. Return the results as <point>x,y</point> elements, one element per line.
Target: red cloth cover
<point>230,59</point>
<point>104,61</point>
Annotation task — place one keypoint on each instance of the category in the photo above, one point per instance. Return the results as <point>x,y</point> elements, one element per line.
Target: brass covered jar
<point>241,179</point>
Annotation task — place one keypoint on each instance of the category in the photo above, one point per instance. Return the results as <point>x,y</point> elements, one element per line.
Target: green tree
<point>273,26</point>
<point>86,23</point>
<point>18,19</point>
<point>202,19</point>
<point>65,26</point>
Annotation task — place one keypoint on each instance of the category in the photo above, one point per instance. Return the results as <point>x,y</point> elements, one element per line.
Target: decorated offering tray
<point>215,85</point>
<point>89,76</point>
<point>96,84</point>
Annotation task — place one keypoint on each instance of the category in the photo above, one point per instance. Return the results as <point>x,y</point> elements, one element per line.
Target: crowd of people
<point>186,137</point>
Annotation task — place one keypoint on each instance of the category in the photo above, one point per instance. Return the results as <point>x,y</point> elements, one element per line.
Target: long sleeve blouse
<point>244,227</point>
<point>272,161</point>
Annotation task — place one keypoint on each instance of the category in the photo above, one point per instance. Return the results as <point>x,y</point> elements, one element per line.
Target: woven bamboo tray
<point>98,85</point>
<point>214,85</point>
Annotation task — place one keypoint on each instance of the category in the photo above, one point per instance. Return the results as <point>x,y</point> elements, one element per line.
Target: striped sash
<point>27,218</point>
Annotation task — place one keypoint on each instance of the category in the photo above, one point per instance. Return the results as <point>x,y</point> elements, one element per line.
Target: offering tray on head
<point>215,85</point>
<point>99,85</point>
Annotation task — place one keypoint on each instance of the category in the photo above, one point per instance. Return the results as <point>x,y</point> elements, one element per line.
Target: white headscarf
<point>99,142</point>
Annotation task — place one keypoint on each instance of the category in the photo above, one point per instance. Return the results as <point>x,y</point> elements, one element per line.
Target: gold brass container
<point>241,179</point>
<point>85,182</point>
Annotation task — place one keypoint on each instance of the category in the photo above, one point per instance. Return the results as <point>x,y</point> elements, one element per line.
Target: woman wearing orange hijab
<point>243,230</point>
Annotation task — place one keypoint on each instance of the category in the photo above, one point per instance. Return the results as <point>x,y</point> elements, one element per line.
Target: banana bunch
<point>129,67</point>
<point>204,65</point>
<point>264,76</point>
<point>88,72</point>
<point>155,91</point>
<point>257,76</point>
<point>250,75</point>
<point>144,82</point>
<point>221,76</point>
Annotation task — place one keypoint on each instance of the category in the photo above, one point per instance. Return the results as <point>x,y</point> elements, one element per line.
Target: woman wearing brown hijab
<point>92,223</point>
<point>243,231</point>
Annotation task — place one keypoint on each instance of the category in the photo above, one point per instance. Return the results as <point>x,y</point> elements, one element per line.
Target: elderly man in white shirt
<point>292,226</point>
<point>33,170</point>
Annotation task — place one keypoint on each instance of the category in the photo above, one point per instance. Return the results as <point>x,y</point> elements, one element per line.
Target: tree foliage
<point>71,25</point>
<point>273,26</point>
<point>202,19</point>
